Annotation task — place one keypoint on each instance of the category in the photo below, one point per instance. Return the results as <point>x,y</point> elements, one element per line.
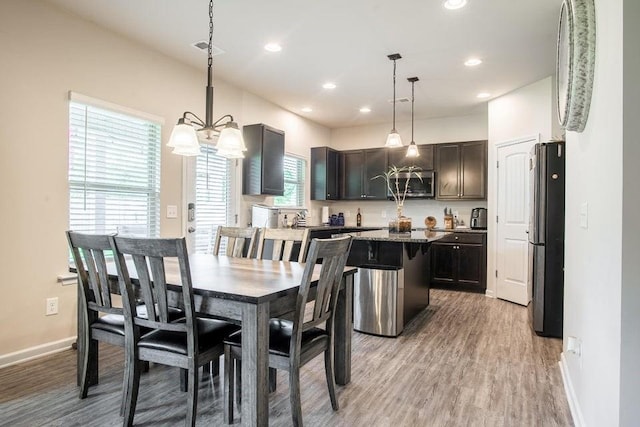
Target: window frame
<point>300,183</point>
<point>118,190</point>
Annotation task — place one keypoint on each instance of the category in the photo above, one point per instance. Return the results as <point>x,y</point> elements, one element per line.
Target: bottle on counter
<point>359,219</point>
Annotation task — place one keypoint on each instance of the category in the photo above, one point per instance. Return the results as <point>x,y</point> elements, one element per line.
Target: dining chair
<point>240,242</point>
<point>101,320</point>
<point>283,241</point>
<point>294,343</point>
<point>187,343</point>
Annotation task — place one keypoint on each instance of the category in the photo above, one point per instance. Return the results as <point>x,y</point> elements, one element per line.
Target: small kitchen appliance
<point>479,218</point>
<point>274,217</point>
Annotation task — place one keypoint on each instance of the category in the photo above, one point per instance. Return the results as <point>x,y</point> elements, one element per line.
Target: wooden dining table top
<point>240,279</point>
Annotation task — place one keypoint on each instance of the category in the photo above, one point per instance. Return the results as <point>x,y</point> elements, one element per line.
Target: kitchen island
<point>392,284</point>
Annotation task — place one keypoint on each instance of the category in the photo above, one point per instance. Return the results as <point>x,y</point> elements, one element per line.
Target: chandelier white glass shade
<point>394,140</point>
<point>412,151</point>
<point>185,137</point>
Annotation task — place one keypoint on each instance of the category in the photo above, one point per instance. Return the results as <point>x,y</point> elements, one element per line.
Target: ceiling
<point>347,42</point>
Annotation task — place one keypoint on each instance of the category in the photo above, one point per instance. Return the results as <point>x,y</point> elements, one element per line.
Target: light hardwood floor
<point>467,360</point>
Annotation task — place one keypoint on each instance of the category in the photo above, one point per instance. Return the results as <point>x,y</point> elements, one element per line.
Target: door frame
<point>492,205</point>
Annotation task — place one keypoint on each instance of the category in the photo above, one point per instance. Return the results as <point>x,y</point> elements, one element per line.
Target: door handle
<point>191,229</point>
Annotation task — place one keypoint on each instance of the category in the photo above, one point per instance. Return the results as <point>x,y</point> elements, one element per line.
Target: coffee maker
<point>479,218</point>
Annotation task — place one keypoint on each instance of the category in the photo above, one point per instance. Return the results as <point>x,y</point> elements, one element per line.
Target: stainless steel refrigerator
<point>546,237</point>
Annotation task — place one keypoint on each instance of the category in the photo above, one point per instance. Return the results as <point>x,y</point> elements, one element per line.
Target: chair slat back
<point>283,242</point>
<point>88,251</point>
<point>149,256</point>
<point>334,254</point>
<point>237,239</point>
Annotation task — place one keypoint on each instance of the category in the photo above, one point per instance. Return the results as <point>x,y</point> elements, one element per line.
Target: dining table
<point>249,292</point>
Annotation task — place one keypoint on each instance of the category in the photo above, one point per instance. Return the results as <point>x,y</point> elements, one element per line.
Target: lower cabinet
<point>459,261</point>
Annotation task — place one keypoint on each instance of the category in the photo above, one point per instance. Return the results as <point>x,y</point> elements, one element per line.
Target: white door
<point>208,202</point>
<point>512,258</point>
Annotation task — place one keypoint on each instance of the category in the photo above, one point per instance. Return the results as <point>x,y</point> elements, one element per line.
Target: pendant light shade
<point>230,139</point>
<point>412,151</point>
<point>394,140</point>
<point>185,140</point>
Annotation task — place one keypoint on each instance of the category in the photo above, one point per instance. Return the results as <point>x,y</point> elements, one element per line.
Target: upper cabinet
<point>324,174</point>
<point>357,170</point>
<point>398,157</point>
<point>262,166</point>
<point>461,170</point>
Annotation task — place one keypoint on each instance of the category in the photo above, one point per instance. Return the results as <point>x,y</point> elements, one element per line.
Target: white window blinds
<point>294,168</point>
<point>114,172</point>
<point>213,184</point>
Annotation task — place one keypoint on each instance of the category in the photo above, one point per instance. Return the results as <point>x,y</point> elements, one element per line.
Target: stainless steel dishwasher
<point>378,300</point>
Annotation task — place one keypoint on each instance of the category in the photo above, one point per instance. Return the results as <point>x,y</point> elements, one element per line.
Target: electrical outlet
<point>52,306</point>
<point>384,214</point>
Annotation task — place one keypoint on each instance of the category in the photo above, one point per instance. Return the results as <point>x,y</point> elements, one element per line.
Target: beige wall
<point>46,53</point>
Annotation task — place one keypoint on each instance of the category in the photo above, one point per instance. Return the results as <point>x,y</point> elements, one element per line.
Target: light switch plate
<point>172,211</point>
<point>584,215</point>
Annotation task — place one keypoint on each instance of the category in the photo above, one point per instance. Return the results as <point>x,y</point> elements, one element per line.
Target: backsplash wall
<point>372,211</point>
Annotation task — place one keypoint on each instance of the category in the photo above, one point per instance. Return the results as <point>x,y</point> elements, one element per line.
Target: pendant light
<point>394,140</point>
<point>412,151</point>
<point>184,138</point>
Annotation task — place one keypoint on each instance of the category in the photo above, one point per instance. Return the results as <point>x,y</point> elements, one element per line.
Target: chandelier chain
<point>210,47</point>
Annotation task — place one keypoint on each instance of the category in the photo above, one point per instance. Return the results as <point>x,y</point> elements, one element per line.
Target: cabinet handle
<point>456,237</point>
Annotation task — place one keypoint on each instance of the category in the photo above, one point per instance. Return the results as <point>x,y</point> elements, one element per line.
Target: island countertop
<point>416,236</point>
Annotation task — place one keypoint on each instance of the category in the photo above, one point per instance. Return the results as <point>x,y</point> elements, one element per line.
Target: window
<point>114,170</point>
<point>294,168</point>
<point>213,195</point>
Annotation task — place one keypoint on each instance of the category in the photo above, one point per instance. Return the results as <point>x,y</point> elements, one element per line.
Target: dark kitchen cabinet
<point>459,261</point>
<point>461,170</point>
<point>262,166</point>
<point>398,157</point>
<point>357,170</point>
<point>324,174</point>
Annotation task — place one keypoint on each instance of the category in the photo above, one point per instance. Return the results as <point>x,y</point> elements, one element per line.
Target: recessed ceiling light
<point>483,95</point>
<point>307,109</point>
<point>272,47</point>
<point>455,4</point>
<point>365,110</point>
<point>472,62</point>
<point>329,85</point>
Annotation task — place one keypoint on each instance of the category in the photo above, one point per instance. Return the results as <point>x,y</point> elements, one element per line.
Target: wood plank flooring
<point>467,360</point>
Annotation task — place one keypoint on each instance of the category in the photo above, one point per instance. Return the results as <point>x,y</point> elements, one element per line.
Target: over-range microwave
<point>422,184</point>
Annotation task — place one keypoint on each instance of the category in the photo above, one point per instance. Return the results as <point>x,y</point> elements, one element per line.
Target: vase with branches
<point>397,180</point>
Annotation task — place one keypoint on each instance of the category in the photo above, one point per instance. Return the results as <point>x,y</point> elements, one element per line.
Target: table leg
<point>255,364</point>
<point>343,331</point>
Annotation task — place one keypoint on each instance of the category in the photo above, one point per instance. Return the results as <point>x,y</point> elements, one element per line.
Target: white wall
<point>630,295</point>
<point>433,131</point>
<point>524,112</point>
<point>45,53</point>
<point>593,255</point>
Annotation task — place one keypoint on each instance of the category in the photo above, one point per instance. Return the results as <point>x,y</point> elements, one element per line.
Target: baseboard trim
<point>574,406</point>
<point>36,352</point>
<point>489,293</point>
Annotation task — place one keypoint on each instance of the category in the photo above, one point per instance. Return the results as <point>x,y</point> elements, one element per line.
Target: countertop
<point>416,236</point>
<point>457,230</point>
<point>338,228</point>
